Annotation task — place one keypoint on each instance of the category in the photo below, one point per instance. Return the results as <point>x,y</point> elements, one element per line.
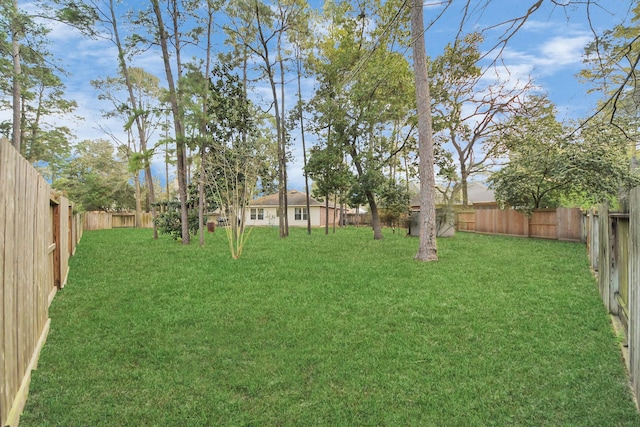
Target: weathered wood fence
<point>38,234</point>
<point>488,218</point>
<point>106,220</point>
<point>613,243</point>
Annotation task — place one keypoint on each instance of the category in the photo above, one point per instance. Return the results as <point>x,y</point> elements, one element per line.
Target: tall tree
<point>137,85</point>
<point>234,154</point>
<point>357,103</point>
<point>330,174</point>
<point>611,62</point>
<point>43,141</point>
<point>427,250</point>
<point>21,28</point>
<point>261,28</point>
<point>143,89</point>
<point>16,28</point>
<point>178,118</point>
<point>468,111</point>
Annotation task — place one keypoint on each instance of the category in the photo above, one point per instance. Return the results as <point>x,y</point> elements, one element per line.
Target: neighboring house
<point>476,193</point>
<point>479,193</point>
<point>264,211</point>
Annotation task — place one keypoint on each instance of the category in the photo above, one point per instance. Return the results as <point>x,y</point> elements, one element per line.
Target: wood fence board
<point>4,190</point>
<point>107,220</point>
<point>64,240</point>
<point>569,224</point>
<point>26,274</point>
<point>543,224</point>
<point>10,354</point>
<point>562,224</point>
<point>28,335</point>
<point>595,240</point>
<point>21,251</point>
<point>466,221</point>
<point>604,256</point>
<point>633,338</point>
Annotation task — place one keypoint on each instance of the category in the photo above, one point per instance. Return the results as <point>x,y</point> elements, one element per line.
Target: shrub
<point>170,222</point>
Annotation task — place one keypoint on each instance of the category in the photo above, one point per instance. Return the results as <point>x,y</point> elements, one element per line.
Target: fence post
<point>595,239</point>
<point>604,255</point>
<point>614,263</point>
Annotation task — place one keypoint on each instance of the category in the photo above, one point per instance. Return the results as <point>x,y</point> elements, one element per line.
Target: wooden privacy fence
<point>107,220</point>
<point>613,242</point>
<point>38,234</point>
<point>488,218</point>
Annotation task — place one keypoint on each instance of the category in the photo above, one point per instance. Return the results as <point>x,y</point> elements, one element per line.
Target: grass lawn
<point>337,330</point>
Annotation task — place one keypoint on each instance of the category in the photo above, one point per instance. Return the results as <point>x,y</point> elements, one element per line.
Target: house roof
<point>294,198</point>
<point>479,193</point>
<point>476,192</point>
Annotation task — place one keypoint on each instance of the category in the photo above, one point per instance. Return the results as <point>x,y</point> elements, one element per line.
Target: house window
<point>301,214</point>
<point>257,213</point>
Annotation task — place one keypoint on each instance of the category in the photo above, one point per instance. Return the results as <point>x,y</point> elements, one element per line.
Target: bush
<point>170,223</point>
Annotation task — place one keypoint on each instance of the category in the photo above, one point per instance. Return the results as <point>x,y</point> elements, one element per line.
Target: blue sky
<point>548,48</point>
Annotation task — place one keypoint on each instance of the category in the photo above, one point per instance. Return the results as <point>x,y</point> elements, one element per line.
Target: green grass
<point>337,330</point>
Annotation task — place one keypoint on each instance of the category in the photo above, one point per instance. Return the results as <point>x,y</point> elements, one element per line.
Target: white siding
<point>271,217</point>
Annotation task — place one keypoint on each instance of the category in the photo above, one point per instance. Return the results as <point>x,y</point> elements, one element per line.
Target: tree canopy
<point>548,166</point>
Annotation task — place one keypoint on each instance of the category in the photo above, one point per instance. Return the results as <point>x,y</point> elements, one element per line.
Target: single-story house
<point>264,211</point>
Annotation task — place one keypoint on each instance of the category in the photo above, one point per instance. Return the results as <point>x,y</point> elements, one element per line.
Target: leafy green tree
<point>143,89</point>
<point>610,68</point>
<point>357,103</point>
<point>37,91</point>
<point>467,112</point>
<point>394,201</point>
<point>24,39</point>
<point>330,174</point>
<point>96,179</point>
<point>548,165</point>
<point>235,153</point>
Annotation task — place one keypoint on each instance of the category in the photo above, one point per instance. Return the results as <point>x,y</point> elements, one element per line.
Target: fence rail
<point>38,234</point>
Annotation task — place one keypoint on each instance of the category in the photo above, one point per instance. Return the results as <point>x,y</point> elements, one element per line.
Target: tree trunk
<point>464,177</point>
<point>375,216</point>
<point>304,148</point>
<point>201,202</point>
<point>326,214</point>
<point>427,250</point>
<point>17,75</point>
<point>166,164</point>
<point>177,123</point>
<point>284,133</point>
<point>203,131</point>
<point>335,203</point>
<point>282,190</point>
<point>139,125</point>
<point>138,200</point>
<point>150,187</point>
